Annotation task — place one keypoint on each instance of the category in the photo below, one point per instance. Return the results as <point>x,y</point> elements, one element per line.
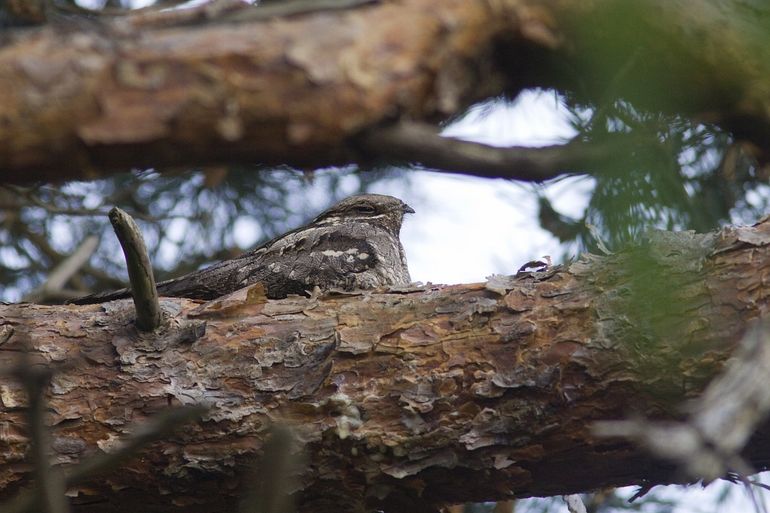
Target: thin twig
<point>143,289</point>
<point>421,143</point>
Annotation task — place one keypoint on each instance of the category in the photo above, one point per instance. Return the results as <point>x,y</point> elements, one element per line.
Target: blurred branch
<point>117,9</point>
<point>23,12</point>
<point>151,430</point>
<point>104,278</point>
<point>236,11</point>
<point>722,419</point>
<point>272,483</point>
<point>35,200</point>
<point>49,483</point>
<point>421,143</point>
<point>202,13</point>
<point>49,488</point>
<point>53,287</point>
<point>482,54</point>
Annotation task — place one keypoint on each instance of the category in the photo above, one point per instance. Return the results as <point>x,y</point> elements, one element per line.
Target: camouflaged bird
<point>352,245</point>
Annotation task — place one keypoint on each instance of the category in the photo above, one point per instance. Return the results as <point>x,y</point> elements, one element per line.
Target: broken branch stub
<point>143,289</point>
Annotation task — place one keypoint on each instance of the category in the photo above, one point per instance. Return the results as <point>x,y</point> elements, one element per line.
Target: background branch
<point>53,287</point>
<point>420,143</point>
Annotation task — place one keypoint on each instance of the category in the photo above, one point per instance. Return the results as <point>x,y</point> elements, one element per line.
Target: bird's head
<point>377,209</point>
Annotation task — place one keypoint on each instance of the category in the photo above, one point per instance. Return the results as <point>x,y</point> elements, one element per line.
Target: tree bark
<point>281,91</point>
<point>84,99</point>
<point>402,400</point>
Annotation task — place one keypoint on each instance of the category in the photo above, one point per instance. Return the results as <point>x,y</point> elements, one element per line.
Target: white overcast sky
<point>468,228</point>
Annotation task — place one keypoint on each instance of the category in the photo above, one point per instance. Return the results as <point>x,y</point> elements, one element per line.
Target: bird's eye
<point>363,209</point>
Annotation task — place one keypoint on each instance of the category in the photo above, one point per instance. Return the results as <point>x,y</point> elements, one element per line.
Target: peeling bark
<point>79,101</point>
<point>403,400</point>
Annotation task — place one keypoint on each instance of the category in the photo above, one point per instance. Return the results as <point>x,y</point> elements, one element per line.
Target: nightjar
<point>352,245</point>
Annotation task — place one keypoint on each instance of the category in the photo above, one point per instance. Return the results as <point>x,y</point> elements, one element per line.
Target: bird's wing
<point>322,258</point>
<point>293,263</point>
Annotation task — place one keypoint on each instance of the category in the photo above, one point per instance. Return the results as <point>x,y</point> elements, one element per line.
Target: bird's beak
<point>408,209</point>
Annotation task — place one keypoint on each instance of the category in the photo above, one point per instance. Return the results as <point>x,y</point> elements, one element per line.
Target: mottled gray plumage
<point>352,245</point>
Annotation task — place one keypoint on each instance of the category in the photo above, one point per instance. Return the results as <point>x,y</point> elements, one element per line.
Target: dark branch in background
<point>421,143</point>
<point>39,12</point>
<point>722,420</point>
<point>23,12</point>
<point>143,289</point>
<point>26,195</point>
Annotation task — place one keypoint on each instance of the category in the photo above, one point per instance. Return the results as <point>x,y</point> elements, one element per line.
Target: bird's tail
<point>101,297</point>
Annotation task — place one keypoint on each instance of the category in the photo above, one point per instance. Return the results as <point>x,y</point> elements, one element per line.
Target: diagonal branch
<point>151,430</point>
<point>723,419</point>
<point>53,287</point>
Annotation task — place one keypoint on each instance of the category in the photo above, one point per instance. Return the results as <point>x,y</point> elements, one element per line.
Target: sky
<point>468,228</point>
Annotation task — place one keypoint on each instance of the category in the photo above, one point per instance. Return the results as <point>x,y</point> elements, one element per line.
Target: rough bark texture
<point>284,91</point>
<point>402,400</point>
<point>80,99</point>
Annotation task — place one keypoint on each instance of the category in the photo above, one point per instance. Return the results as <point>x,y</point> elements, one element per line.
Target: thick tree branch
<point>298,90</point>
<point>81,103</point>
<point>403,400</point>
